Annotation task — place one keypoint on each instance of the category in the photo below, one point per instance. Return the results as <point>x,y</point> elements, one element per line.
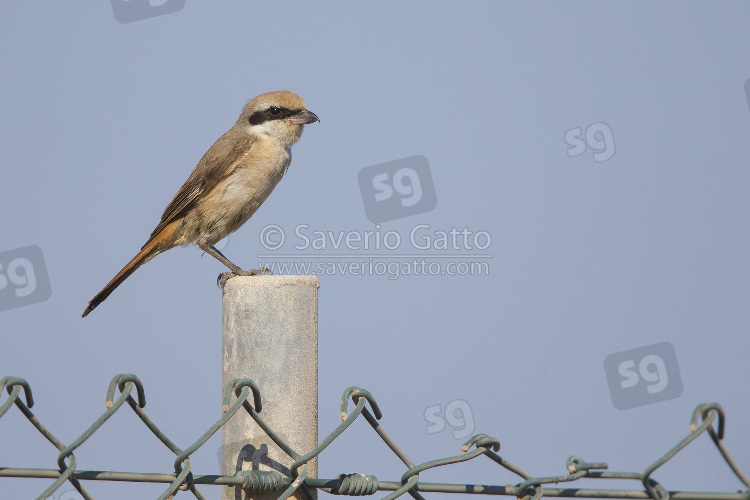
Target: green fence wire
<point>236,396</point>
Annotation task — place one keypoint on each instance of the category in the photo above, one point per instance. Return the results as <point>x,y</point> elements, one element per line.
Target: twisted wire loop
<point>355,485</point>
<point>261,480</point>
<point>531,489</point>
<point>356,393</point>
<point>576,464</point>
<point>14,387</point>
<point>717,436</point>
<point>244,394</point>
<point>237,386</point>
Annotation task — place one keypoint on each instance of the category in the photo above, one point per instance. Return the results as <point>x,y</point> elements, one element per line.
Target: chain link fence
<point>244,393</point>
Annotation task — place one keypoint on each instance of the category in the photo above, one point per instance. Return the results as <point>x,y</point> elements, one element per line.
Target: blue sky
<point>602,148</point>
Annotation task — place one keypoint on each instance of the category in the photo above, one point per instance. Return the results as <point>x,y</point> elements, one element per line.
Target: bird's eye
<point>274,110</point>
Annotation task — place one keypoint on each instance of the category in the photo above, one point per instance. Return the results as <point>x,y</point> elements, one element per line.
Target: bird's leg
<point>212,251</point>
<point>236,270</point>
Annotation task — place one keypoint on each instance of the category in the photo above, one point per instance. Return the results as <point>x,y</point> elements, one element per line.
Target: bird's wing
<point>218,162</point>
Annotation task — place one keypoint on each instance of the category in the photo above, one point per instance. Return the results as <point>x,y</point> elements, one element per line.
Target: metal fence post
<point>270,335</point>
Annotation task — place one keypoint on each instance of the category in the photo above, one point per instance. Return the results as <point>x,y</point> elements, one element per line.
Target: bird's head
<point>279,115</point>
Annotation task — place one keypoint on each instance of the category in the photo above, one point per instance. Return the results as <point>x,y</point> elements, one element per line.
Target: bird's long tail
<point>151,249</point>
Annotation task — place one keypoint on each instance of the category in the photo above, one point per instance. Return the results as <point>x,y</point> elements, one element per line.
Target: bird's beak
<point>304,117</point>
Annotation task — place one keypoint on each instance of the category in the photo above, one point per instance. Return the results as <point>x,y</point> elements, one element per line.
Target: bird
<point>227,186</point>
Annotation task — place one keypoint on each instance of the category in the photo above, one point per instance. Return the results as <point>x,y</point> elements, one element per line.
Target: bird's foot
<point>224,277</point>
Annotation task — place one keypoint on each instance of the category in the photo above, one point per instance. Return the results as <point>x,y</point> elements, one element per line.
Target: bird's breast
<point>238,195</point>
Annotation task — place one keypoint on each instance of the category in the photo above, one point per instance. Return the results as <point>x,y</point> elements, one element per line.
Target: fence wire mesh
<point>236,396</point>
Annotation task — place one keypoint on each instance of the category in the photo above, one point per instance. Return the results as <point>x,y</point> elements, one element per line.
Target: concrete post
<point>270,335</point>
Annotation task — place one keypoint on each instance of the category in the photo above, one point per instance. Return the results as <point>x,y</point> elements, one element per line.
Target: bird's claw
<point>257,272</point>
<point>224,277</point>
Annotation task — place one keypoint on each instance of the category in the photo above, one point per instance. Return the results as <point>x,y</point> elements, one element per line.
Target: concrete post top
<point>272,280</point>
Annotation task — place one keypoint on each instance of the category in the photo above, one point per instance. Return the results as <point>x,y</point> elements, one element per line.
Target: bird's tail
<point>151,249</point>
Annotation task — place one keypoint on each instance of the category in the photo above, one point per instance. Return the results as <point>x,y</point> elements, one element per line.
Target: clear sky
<point>586,161</point>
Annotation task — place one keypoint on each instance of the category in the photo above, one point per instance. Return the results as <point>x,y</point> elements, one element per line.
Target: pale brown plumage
<point>228,184</point>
